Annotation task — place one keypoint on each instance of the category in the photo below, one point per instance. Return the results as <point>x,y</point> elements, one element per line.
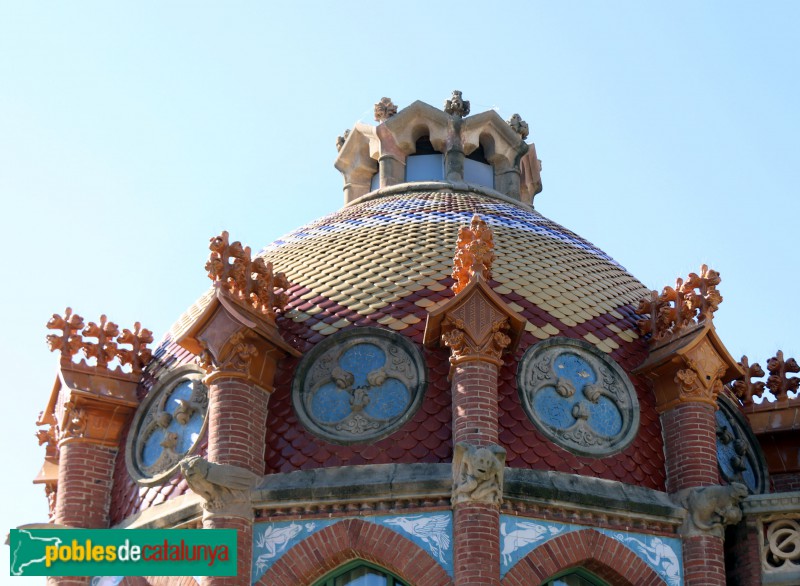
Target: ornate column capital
<point>92,401</point>
<point>687,362</point>
<point>690,369</point>
<point>234,333</point>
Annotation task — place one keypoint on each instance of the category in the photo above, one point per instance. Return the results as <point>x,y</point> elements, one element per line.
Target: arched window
<point>360,573</point>
<point>575,577</point>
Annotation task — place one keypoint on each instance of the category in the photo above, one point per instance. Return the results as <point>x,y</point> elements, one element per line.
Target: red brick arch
<point>349,540</point>
<point>607,558</point>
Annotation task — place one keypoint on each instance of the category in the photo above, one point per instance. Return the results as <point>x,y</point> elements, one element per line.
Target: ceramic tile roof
<point>385,263</point>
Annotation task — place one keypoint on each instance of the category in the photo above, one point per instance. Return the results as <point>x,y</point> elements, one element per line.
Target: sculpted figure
<point>225,488</point>
<point>711,508</point>
<point>478,474</point>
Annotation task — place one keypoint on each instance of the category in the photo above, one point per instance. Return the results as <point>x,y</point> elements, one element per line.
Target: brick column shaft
<point>475,403</point>
<point>690,443</point>
<point>84,484</point>
<point>476,526</point>
<point>84,492</point>
<point>237,426</point>
<point>691,459</point>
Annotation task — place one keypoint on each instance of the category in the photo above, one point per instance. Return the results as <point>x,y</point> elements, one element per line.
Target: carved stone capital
<point>226,490</point>
<point>710,508</point>
<point>690,369</point>
<point>476,324</point>
<point>233,340</point>
<point>478,474</point>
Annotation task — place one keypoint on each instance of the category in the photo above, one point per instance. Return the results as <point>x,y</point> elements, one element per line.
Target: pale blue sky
<point>130,134</point>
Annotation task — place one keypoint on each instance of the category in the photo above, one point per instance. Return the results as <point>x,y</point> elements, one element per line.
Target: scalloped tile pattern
<point>386,263</point>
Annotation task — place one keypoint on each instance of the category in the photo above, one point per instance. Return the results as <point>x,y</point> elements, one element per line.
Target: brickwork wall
<point>690,443</point>
<point>237,423</point>
<point>475,403</point>
<point>742,558</point>
<point>84,484</point>
<point>607,558</point>
<point>789,482</point>
<point>351,539</point>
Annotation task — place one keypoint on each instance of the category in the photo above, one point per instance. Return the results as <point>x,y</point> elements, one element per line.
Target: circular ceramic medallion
<point>738,452</point>
<point>167,426</point>
<point>359,385</point>
<point>578,397</point>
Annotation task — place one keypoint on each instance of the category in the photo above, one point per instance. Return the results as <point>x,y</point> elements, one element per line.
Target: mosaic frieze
<point>433,532</point>
<point>168,426</point>
<point>520,536</point>
<point>359,385</point>
<point>738,452</point>
<point>578,397</point>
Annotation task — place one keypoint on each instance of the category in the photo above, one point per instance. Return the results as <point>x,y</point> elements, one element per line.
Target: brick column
<point>476,525</point>
<point>478,328</point>
<point>690,445</point>
<point>88,445</point>
<point>237,411</point>
<point>688,373</point>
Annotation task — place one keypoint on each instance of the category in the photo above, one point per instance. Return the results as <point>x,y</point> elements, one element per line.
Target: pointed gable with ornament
<point>476,324</point>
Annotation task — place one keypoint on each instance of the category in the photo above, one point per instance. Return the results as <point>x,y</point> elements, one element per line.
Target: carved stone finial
<point>519,126</point>
<point>139,354</point>
<point>105,349</point>
<point>384,110</point>
<point>456,106</point>
<point>70,341</point>
<point>340,140</point>
<point>474,253</point>
<point>224,488</point>
<point>745,388</point>
<point>778,381</point>
<point>252,281</point>
<point>690,302</point>
<point>478,474</point>
<point>711,508</point>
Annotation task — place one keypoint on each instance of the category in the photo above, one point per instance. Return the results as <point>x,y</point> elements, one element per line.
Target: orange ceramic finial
<point>687,304</point>
<point>253,281</point>
<point>474,253</point>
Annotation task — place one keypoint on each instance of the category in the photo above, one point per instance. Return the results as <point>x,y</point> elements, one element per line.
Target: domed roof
<point>387,261</point>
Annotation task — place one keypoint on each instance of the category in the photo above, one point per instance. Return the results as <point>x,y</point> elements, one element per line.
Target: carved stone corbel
<point>478,474</point>
<point>225,489</point>
<point>711,508</point>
